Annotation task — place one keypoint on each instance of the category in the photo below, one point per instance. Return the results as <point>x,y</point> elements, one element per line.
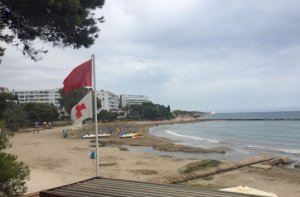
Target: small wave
<point>191,137</point>
<point>291,151</point>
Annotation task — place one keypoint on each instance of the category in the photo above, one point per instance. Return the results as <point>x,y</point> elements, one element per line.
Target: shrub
<point>2,124</point>
<point>13,174</point>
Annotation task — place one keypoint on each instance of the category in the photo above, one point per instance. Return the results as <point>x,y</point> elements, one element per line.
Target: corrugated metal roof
<point>121,188</point>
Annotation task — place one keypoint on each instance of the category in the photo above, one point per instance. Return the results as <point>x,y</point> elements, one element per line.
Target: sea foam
<point>291,151</point>
<point>191,137</point>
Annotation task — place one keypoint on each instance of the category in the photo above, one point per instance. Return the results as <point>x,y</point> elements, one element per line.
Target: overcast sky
<point>192,54</point>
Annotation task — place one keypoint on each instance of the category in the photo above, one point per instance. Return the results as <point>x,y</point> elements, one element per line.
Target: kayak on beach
<point>130,135</point>
<point>93,135</point>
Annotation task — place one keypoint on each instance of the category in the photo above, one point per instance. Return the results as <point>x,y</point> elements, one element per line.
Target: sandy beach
<point>56,161</point>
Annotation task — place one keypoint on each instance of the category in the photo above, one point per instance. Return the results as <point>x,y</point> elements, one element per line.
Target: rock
<point>297,165</point>
<point>287,161</point>
<point>279,161</point>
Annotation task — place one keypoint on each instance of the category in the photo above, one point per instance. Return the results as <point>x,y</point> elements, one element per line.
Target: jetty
<point>216,170</point>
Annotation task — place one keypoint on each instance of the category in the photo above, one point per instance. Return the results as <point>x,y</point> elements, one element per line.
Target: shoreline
<point>156,142</point>
<point>235,152</point>
<point>55,161</point>
<point>161,145</point>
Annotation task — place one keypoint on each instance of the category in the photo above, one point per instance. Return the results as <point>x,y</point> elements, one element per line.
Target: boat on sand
<point>101,135</point>
<point>130,135</point>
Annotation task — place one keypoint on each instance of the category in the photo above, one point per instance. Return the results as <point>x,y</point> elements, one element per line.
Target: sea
<point>246,134</point>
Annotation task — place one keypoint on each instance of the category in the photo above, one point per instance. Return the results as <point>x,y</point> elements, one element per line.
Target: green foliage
<point>106,116</point>
<point>148,111</point>
<point>199,165</point>
<point>64,23</point>
<point>1,52</point>
<point>5,102</point>
<point>2,124</point>
<point>13,174</point>
<point>183,112</point>
<point>16,115</point>
<point>194,114</point>
<point>13,117</point>
<point>40,112</point>
<point>4,143</point>
<point>70,99</point>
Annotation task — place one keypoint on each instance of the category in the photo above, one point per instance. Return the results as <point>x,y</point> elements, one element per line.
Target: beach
<point>55,161</point>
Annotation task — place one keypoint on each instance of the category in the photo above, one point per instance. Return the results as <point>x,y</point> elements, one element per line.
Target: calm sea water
<point>280,138</point>
<point>285,115</point>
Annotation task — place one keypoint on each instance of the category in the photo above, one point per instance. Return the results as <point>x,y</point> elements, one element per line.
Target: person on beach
<point>49,125</point>
<point>36,127</point>
<point>45,125</point>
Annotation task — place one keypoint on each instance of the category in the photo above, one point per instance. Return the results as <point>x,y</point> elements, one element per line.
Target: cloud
<point>199,55</point>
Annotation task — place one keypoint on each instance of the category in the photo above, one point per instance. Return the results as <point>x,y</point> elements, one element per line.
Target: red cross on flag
<point>82,110</point>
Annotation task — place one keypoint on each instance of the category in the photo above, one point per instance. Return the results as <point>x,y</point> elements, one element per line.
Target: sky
<point>227,56</point>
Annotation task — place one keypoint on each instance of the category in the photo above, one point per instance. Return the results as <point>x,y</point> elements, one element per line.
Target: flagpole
<point>95,111</point>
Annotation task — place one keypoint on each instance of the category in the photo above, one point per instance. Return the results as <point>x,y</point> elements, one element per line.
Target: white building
<point>133,99</point>
<point>109,100</point>
<point>3,89</point>
<point>38,96</point>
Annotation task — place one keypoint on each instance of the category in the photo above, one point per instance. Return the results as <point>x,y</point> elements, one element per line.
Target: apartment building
<point>133,99</point>
<point>3,89</point>
<point>109,100</point>
<point>38,96</point>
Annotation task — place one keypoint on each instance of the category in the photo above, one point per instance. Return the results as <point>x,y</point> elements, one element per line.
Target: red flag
<point>79,77</point>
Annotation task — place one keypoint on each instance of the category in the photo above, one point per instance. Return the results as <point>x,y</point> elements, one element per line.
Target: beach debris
<point>108,164</point>
<point>179,178</point>
<point>123,148</point>
<point>261,166</point>
<point>248,190</point>
<point>144,171</point>
<point>100,144</point>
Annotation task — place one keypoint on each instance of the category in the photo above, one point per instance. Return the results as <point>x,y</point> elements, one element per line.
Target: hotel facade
<point>109,100</point>
<point>133,99</point>
<point>38,96</point>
